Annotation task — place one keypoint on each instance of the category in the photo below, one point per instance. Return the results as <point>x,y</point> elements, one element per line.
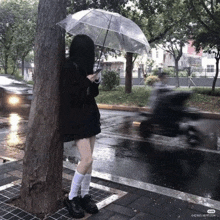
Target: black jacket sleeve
<point>94,89</point>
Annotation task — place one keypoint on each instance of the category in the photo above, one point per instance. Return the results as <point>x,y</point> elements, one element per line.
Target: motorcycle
<point>171,118</point>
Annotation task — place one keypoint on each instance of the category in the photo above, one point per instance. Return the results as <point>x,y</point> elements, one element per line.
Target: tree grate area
<point>8,211</point>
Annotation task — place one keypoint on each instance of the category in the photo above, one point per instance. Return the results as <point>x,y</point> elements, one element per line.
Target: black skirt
<point>89,126</point>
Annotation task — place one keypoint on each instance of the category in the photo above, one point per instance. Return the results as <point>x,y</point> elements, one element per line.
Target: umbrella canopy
<point>107,29</point>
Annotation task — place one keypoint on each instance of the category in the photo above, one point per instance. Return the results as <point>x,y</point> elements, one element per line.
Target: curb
<point>123,108</point>
<point>205,115</point>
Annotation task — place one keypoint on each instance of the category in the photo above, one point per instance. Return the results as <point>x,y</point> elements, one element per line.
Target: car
<point>14,93</point>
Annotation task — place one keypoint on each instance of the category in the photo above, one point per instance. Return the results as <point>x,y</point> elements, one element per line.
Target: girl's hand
<point>92,77</point>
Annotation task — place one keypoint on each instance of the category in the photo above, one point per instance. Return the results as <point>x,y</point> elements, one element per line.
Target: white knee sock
<point>85,184</point>
<point>76,182</point>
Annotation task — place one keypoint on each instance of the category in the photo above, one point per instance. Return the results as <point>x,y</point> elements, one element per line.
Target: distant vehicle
<point>14,93</point>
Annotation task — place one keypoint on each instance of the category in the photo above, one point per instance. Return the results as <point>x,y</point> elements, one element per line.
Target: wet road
<point>163,161</point>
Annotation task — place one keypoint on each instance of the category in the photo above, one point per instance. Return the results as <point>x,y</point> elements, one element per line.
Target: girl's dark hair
<point>82,52</point>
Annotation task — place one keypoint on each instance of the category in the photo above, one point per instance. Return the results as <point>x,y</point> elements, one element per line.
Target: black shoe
<point>74,208</point>
<point>89,205</point>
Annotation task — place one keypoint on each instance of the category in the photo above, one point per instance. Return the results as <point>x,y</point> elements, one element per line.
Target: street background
<point>120,151</point>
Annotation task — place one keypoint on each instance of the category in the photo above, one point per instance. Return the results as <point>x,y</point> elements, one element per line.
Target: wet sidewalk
<point>117,198</point>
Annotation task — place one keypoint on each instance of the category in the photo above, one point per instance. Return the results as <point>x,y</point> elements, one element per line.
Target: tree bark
<point>22,66</point>
<point>41,187</point>
<point>128,77</point>
<point>6,64</point>
<point>177,73</point>
<point>216,75</point>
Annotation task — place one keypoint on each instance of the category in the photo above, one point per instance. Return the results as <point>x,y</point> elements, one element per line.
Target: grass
<point>138,97</point>
<point>201,99</point>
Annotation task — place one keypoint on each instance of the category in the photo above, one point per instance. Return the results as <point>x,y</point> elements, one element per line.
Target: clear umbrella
<point>107,29</point>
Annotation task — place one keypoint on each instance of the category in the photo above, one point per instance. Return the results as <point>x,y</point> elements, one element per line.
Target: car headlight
<point>13,100</point>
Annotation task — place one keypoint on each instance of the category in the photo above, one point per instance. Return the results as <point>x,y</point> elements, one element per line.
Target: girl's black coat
<point>80,117</point>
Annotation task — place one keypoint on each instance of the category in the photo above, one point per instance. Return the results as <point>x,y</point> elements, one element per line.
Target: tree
<point>207,26</point>
<point>41,187</point>
<point>165,22</point>
<point>174,43</point>
<point>155,19</point>
<point>6,21</point>
<point>133,13</point>
<point>24,32</point>
<point>175,48</point>
<point>110,5</point>
<point>210,44</point>
<point>128,76</point>
<point>17,31</point>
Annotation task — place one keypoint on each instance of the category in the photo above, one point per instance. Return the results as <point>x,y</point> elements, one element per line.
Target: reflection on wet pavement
<point>13,137</point>
<point>185,170</point>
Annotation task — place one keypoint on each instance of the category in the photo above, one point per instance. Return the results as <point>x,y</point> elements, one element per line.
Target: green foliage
<point>183,73</point>
<point>207,91</point>
<point>30,82</point>
<point>159,18</point>
<point>138,97</point>
<point>155,72</point>
<point>18,76</point>
<point>110,80</point>
<point>206,29</point>
<point>110,5</point>
<point>167,23</point>
<point>150,80</point>
<point>169,71</point>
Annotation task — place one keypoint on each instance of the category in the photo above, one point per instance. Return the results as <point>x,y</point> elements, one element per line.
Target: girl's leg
<point>87,203</point>
<point>85,163</point>
<point>85,151</point>
<point>92,144</point>
<point>87,178</point>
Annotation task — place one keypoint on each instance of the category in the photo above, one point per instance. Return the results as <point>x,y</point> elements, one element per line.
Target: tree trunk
<point>177,73</point>
<point>128,77</point>
<point>22,66</point>
<point>14,68</point>
<point>41,187</point>
<point>216,75</point>
<point>6,64</point>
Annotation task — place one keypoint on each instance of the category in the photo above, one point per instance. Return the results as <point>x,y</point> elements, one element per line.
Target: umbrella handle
<point>104,41</point>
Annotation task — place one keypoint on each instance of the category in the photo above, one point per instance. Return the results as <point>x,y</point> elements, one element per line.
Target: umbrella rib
<point>107,31</point>
<point>120,25</point>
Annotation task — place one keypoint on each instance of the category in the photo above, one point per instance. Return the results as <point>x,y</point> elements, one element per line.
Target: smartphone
<point>98,70</point>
